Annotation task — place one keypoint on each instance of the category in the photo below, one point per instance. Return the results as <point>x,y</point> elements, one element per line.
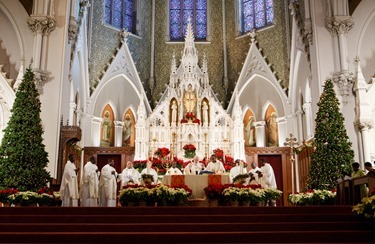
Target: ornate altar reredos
<point>190,113</point>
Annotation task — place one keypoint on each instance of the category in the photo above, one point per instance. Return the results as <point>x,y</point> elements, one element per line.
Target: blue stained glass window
<point>255,14</point>
<point>180,11</point>
<point>121,14</point>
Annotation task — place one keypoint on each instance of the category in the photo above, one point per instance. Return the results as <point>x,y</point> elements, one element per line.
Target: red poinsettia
<point>45,190</point>
<point>162,152</point>
<point>184,121</point>
<point>189,147</point>
<point>219,153</point>
<point>189,115</point>
<point>5,193</point>
<point>185,187</point>
<point>197,121</point>
<point>213,191</point>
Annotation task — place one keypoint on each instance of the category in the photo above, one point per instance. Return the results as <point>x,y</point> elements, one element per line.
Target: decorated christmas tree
<point>333,154</point>
<point>23,158</point>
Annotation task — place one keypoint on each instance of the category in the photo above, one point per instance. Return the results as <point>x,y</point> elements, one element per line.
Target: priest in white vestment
<point>108,185</point>
<point>173,170</point>
<point>194,167</point>
<point>267,178</point>
<point>150,171</point>
<point>254,174</point>
<point>69,185</point>
<point>90,184</point>
<point>237,170</point>
<point>215,165</point>
<point>130,176</point>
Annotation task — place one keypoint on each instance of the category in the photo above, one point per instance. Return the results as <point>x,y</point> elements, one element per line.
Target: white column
<point>95,131</point>
<point>260,133</point>
<point>308,117</point>
<point>118,133</point>
<point>365,143</point>
<point>72,104</point>
<point>282,130</point>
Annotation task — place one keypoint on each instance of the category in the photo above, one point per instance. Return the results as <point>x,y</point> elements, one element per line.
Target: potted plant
<point>240,179</point>
<point>189,150</point>
<point>179,195</point>
<point>133,195</point>
<point>147,179</point>
<point>366,209</point>
<point>213,193</point>
<point>46,197</point>
<point>5,193</point>
<point>24,198</point>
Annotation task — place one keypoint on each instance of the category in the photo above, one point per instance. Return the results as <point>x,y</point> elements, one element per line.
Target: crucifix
<point>291,142</point>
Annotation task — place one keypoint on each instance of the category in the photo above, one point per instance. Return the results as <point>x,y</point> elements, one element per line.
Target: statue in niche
<point>106,129</point>
<point>174,112</point>
<point>127,130</point>
<point>272,130</point>
<point>250,132</point>
<point>190,100</point>
<point>205,112</point>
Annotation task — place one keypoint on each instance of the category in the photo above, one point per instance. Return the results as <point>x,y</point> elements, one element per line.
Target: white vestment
<point>150,171</point>
<point>217,167</point>
<point>193,168</point>
<point>173,171</point>
<point>108,187</point>
<point>255,175</point>
<point>236,170</point>
<point>129,175</point>
<point>90,185</point>
<point>69,186</point>
<point>268,180</point>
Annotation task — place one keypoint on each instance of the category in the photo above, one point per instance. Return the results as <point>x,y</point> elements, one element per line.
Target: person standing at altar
<point>194,167</point>
<point>130,175</point>
<point>90,184</point>
<point>173,170</point>
<point>267,178</point>
<point>254,174</point>
<point>69,185</point>
<point>237,170</point>
<point>215,165</point>
<point>150,171</point>
<point>108,185</point>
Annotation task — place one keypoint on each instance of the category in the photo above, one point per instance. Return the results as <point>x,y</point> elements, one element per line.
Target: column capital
<point>41,24</point>
<point>364,125</point>
<point>40,77</point>
<point>344,81</point>
<point>338,25</point>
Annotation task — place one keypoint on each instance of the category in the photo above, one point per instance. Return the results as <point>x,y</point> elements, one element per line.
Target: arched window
<point>255,14</point>
<point>180,11</point>
<point>121,14</point>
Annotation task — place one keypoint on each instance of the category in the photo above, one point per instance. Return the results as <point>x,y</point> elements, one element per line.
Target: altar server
<point>108,185</point>
<point>173,170</point>
<point>69,185</point>
<point>237,170</point>
<point>130,176</point>
<point>90,184</point>
<point>254,174</point>
<point>150,171</point>
<point>194,167</point>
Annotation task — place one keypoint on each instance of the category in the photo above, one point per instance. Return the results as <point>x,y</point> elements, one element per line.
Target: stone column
<point>308,117</point>
<point>72,103</point>
<point>260,133</point>
<point>282,130</point>
<point>96,123</point>
<point>118,133</point>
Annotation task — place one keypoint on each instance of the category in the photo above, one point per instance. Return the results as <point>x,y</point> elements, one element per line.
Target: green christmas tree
<point>333,155</point>
<point>23,158</point>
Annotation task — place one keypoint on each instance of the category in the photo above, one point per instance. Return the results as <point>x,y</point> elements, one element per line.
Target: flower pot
<point>213,203</point>
<point>5,204</point>
<point>244,203</point>
<point>234,203</point>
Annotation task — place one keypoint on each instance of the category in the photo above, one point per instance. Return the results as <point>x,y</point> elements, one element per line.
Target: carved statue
<point>106,127</point>
<point>205,113</point>
<point>250,132</point>
<point>272,130</point>
<point>174,112</point>
<point>190,100</point>
<point>127,130</point>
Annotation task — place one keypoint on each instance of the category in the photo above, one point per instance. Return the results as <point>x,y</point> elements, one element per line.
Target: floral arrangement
<point>24,198</point>
<point>5,193</point>
<point>228,163</point>
<point>313,197</point>
<point>148,179</point>
<point>162,152</point>
<point>240,179</point>
<point>196,121</point>
<point>183,121</point>
<point>189,150</point>
<point>133,194</point>
<point>46,197</point>
<point>219,153</point>
<point>213,192</point>
<point>272,194</point>
<point>366,208</point>
<point>244,194</point>
<point>179,194</point>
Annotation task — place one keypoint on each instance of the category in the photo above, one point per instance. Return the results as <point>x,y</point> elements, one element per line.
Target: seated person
<point>194,167</point>
<point>215,165</point>
<point>130,176</point>
<point>237,170</point>
<point>173,170</point>
<point>370,169</point>
<point>150,171</point>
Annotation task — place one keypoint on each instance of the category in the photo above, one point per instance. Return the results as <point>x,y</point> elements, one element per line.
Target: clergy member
<point>130,176</point>
<point>69,185</point>
<point>357,172</point>
<point>150,171</point>
<point>254,174</point>
<point>237,170</point>
<point>173,170</point>
<point>194,167</point>
<point>267,178</point>
<point>108,185</point>
<point>90,184</point>
<point>215,165</point>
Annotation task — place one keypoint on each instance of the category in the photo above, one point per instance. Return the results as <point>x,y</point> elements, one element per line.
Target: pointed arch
<point>128,130</point>
<point>107,134</point>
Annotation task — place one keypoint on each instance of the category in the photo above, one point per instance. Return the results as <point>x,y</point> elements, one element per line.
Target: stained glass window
<point>255,14</point>
<point>181,11</point>
<point>121,14</point>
